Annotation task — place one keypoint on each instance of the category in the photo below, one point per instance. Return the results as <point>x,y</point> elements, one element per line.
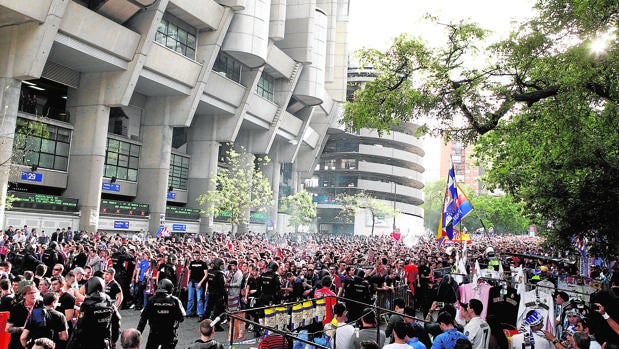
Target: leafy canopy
<point>541,104</point>
<point>240,187</point>
<point>301,208</point>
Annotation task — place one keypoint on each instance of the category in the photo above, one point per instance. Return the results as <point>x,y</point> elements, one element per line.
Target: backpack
<point>37,324</point>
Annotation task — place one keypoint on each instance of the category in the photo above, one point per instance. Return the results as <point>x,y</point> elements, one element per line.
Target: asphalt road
<point>188,331</point>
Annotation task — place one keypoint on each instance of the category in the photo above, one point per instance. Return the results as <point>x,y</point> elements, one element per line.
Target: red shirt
<point>411,272</point>
<point>329,302</point>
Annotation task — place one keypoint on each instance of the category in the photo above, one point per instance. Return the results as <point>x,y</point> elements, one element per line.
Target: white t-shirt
<point>478,332</point>
<point>397,346</point>
<point>343,336</point>
<point>540,342</point>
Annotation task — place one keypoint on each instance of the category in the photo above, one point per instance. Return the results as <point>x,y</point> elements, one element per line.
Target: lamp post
<point>395,187</point>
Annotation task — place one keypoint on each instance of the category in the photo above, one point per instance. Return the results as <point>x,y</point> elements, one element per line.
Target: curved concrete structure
<point>248,37</point>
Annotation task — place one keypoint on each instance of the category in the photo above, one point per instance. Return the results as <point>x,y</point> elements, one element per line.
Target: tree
<point>240,187</point>
<point>434,194</point>
<point>543,102</point>
<point>352,204</point>
<point>301,208</point>
<point>503,212</point>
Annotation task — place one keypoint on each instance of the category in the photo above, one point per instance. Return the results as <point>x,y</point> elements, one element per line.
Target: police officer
<point>124,264</point>
<point>52,256</point>
<point>216,292</point>
<point>30,261</point>
<point>97,316</point>
<point>357,290</point>
<point>167,270</point>
<point>270,285</point>
<point>163,312</point>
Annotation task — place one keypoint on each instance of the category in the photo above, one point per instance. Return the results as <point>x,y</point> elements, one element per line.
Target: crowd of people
<point>69,286</point>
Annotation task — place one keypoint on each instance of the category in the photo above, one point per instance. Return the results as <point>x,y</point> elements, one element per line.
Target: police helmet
<point>93,285</point>
<point>172,257</point>
<point>273,266</point>
<point>53,245</point>
<point>360,273</point>
<point>218,264</point>
<point>490,251</point>
<point>123,250</point>
<point>165,285</point>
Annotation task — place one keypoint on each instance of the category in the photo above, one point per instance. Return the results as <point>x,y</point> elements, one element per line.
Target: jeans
<point>195,295</point>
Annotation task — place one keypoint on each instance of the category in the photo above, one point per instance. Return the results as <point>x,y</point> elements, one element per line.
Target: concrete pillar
<point>155,158</point>
<point>204,151</point>
<point>273,173</point>
<point>89,117</point>
<point>9,103</point>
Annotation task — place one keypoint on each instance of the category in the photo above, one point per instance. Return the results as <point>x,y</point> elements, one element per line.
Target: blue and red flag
<point>455,207</point>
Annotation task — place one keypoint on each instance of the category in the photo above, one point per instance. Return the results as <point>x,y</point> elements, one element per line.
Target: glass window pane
<point>170,43</point>
<point>111,159</point>
<point>160,38</point>
<point>31,158</point>
<point>121,173</point>
<point>133,162</point>
<point>163,26</point>
<point>60,163</point>
<point>48,146</point>
<point>135,150</point>
<point>191,53</point>
<point>62,149</point>
<point>132,175</point>
<point>191,41</point>
<point>179,49</point>
<point>123,161</point>
<point>110,171</point>
<point>113,145</point>
<point>172,31</point>
<point>64,135</point>
<point>124,148</point>
<point>33,144</point>
<point>46,160</point>
<point>186,162</point>
<point>182,36</point>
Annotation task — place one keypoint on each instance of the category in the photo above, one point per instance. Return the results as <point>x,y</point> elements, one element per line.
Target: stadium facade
<point>116,113</point>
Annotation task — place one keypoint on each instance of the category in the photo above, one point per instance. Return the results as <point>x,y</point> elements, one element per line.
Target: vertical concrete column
<point>273,173</point>
<point>9,104</point>
<point>204,151</point>
<point>155,158</point>
<point>90,121</point>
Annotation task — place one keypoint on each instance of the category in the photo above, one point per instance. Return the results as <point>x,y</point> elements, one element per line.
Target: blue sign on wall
<point>121,224</point>
<point>179,227</point>
<point>31,176</point>
<point>171,195</point>
<point>110,186</point>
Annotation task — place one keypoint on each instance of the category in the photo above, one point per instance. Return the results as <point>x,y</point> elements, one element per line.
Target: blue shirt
<point>144,264</point>
<point>416,344</point>
<point>447,339</point>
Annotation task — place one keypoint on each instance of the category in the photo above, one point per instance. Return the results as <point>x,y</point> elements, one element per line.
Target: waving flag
<point>455,207</point>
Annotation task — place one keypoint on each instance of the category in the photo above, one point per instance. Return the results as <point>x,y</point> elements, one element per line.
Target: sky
<point>374,24</point>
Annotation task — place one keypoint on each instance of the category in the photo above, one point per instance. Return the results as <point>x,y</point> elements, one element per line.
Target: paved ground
<point>188,330</point>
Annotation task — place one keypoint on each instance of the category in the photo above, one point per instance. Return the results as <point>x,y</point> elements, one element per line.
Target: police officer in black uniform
<point>96,318</point>
<point>51,257</point>
<point>357,290</point>
<point>216,292</point>
<point>163,312</point>
<point>270,285</point>
<point>167,270</point>
<point>30,260</point>
<point>124,263</point>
